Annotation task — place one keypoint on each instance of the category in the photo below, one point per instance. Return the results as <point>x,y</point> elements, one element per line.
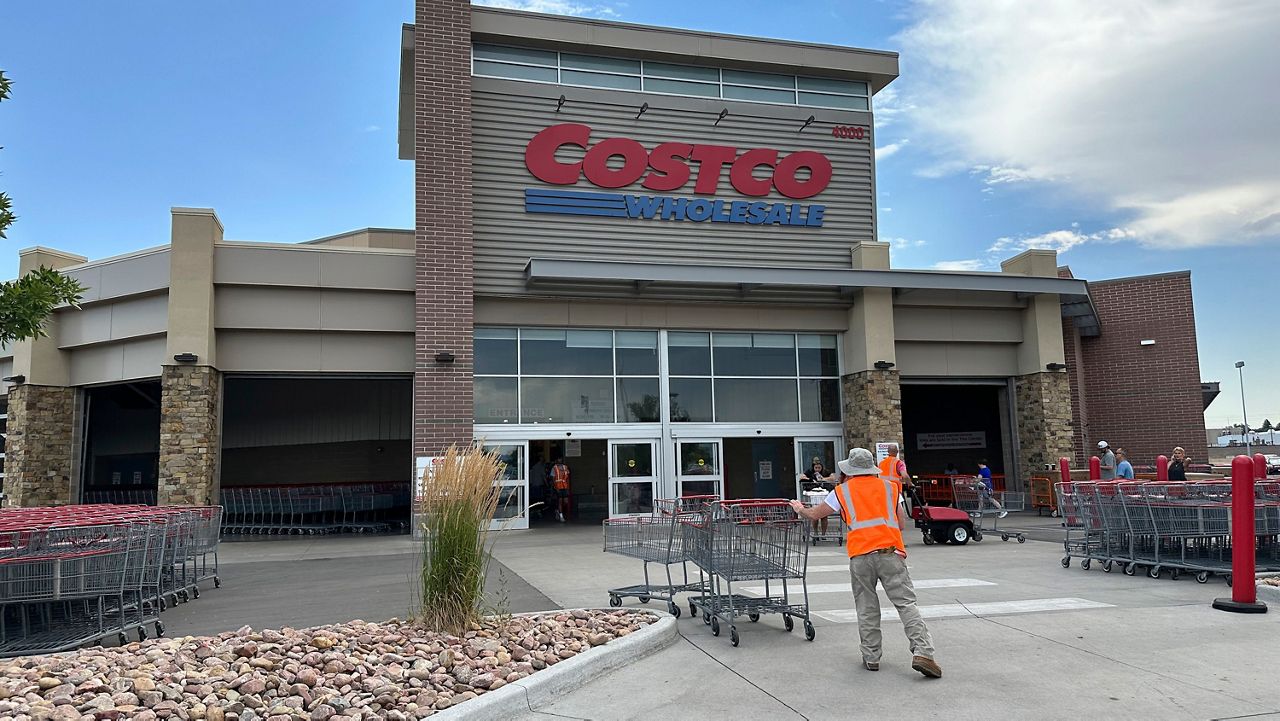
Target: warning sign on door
<point>955,439</point>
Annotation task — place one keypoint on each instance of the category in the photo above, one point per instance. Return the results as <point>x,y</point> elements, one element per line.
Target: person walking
<point>1108,461</point>
<point>868,503</point>
<point>987,487</point>
<point>1178,465</point>
<point>895,469</point>
<point>560,481</point>
<point>1124,469</point>
<point>818,478</point>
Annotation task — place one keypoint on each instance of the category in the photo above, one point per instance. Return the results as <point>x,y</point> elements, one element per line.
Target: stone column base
<point>872,408</point>
<point>1043,410</point>
<point>39,445</point>
<point>190,410</point>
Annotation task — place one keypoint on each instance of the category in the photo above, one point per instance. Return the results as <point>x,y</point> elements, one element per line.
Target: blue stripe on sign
<point>532,193</point>
<point>574,210</point>
<point>577,202</point>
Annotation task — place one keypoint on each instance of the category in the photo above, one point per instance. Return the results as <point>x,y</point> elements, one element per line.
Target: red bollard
<point>1095,468</point>
<point>1064,469</point>
<point>1162,468</point>
<point>1259,466</point>
<point>1244,590</point>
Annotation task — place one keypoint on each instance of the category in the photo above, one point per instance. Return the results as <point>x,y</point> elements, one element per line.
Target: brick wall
<point>1143,398</point>
<point>442,393</point>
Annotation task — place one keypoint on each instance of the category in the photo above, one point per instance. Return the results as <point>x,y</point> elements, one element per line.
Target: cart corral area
<point>1013,630</point>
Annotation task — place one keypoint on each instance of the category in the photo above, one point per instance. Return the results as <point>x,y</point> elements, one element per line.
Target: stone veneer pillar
<point>190,422</point>
<point>1043,408</point>
<point>872,408</point>
<point>39,445</point>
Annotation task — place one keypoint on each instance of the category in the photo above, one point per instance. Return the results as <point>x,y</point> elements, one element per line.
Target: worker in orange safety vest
<point>560,481</point>
<point>868,503</point>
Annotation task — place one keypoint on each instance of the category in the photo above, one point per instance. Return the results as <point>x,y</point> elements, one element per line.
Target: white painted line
<point>955,610</point>
<point>794,587</point>
<point>843,568</point>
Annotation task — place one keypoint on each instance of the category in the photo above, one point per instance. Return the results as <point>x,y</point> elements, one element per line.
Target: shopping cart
<point>657,538</point>
<point>971,496</point>
<point>750,540</point>
<point>1044,496</point>
<point>832,527</point>
<point>1081,540</point>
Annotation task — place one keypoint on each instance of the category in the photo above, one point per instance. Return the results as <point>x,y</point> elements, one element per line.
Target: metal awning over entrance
<point>1072,292</point>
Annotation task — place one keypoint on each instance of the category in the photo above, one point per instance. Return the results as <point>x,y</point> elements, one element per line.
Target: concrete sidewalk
<point>1017,635</point>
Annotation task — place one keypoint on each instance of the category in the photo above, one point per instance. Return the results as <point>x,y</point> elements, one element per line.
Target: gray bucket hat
<point>859,463</point>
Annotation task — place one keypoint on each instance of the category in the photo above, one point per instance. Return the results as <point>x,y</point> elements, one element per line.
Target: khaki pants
<point>890,570</point>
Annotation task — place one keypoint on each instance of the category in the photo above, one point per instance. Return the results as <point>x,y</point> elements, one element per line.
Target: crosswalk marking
<point>842,567</point>
<point>955,610</point>
<point>794,587</point>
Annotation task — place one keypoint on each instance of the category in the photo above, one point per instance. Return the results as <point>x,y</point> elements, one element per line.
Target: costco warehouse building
<point>649,251</point>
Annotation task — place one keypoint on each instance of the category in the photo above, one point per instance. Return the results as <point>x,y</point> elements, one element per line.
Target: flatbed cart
<point>972,497</point>
<point>657,538</point>
<point>750,540</point>
<point>941,524</point>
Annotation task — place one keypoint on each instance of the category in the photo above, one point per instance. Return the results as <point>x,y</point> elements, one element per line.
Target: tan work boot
<point>926,666</point>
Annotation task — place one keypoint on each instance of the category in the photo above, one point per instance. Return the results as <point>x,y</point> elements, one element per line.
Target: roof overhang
<point>1072,292</point>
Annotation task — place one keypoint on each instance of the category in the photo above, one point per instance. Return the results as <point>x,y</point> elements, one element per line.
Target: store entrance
<point>588,462</point>
<point>759,467</point>
<point>947,429</point>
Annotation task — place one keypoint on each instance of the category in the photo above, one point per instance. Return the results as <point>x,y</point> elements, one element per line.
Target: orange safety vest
<point>560,477</point>
<point>890,466</point>
<point>869,507</point>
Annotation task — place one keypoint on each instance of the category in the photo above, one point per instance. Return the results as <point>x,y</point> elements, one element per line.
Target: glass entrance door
<point>513,486</point>
<point>632,477</point>
<point>808,450</point>
<point>699,471</point>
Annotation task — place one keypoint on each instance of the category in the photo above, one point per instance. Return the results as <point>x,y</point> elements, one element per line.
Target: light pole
<point>1247,449</point>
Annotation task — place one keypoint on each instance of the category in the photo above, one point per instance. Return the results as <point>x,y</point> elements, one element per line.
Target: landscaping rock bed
<point>357,670</point>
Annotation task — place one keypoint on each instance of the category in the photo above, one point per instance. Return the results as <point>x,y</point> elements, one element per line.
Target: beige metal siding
<point>957,359</point>
<point>142,272</point>
<point>264,307</point>
<point>313,266</point>
<point>601,314</point>
<point>131,318</point>
<point>957,324</point>
<point>507,114</point>
<point>303,352</point>
<point>126,360</point>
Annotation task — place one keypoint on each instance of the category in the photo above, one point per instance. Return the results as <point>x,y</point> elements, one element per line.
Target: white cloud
<point>1156,110</point>
<point>372,128</point>
<point>555,7</point>
<point>885,151</point>
<point>1060,240</point>
<point>968,265</point>
<point>902,243</point>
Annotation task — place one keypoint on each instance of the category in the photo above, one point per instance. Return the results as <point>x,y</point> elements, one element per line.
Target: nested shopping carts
<point>316,510</point>
<point>750,540</point>
<point>1179,527</point>
<point>657,538</point>
<point>972,496</point>
<point>74,575</point>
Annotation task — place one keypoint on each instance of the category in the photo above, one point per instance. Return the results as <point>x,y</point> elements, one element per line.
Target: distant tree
<point>1266,426</point>
<point>26,303</point>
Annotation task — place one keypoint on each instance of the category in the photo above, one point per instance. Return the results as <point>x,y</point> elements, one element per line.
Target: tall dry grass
<point>458,503</point>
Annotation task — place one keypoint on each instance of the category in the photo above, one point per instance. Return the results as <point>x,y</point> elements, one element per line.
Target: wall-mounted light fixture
<point>186,357</point>
<point>559,103</point>
<point>807,123</point>
<point>643,109</point>
<point>1148,341</point>
<point>884,365</point>
<point>724,113</point>
<point>1055,366</point>
<point>16,380</point>
<point>444,356</point>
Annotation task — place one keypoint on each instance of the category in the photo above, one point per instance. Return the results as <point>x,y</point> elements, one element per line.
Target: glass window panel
<point>682,72</point>
<point>511,456</point>
<point>680,87</point>
<point>600,80</point>
<point>566,352</point>
<point>495,400</point>
<point>633,460</point>
<point>593,62</point>
<point>823,452</point>
<point>700,488</point>
<point>691,400</point>
<point>496,351</point>
<point>763,95</point>
<point>637,352</point>
<point>631,498</point>
<point>818,355</point>
<point>515,55</point>
<point>689,354</point>
<point>828,85</point>
<point>754,354</point>
<point>847,102</point>
<point>750,400</point>
<point>769,80</point>
<point>819,399</point>
<point>638,400</point>
<point>700,459</point>
<point>517,72</point>
<point>566,400</point>
<point>510,502</point>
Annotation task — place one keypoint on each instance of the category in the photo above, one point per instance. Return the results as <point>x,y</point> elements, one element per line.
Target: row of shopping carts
<point>728,542</point>
<point>987,507</point>
<point>1179,527</point>
<point>320,509</point>
<point>74,575</point>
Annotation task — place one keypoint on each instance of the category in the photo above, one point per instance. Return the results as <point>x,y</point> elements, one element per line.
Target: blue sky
<point>1132,136</point>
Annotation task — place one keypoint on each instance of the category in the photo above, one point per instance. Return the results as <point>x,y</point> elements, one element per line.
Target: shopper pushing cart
<point>868,504</point>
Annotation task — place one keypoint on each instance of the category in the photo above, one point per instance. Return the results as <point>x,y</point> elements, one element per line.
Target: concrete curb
<point>520,697</point>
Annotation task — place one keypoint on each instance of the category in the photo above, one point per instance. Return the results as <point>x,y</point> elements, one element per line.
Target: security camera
<point>568,433</point>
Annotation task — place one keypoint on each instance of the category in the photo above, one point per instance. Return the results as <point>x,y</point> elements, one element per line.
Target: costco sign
<point>668,167</point>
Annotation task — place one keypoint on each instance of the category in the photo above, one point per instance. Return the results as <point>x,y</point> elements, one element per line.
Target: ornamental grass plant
<point>456,507</point>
